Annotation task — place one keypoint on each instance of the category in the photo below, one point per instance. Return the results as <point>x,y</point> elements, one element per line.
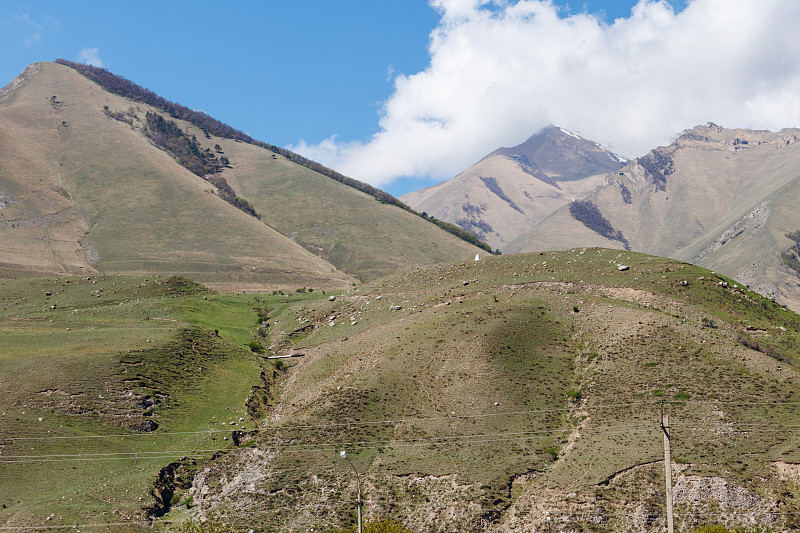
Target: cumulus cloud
<point>499,70</point>
<point>90,56</point>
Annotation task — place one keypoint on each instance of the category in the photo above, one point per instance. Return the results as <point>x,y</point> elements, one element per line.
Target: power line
<point>120,435</point>
<point>315,447</point>
<point>307,426</point>
<point>408,420</point>
<point>325,446</point>
<point>74,526</point>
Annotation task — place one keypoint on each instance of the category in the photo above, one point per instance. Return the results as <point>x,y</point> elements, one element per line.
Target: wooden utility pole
<point>343,454</point>
<point>667,467</point>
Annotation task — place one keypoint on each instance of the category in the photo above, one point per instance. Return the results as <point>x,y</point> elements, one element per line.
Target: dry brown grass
<point>471,389</point>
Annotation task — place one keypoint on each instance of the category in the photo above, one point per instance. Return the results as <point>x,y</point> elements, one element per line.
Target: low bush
<point>377,525</point>
<point>256,347</point>
<point>716,528</point>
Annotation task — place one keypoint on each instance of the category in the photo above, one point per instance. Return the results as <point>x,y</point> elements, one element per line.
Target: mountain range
<point>511,190</point>
<point>716,197</point>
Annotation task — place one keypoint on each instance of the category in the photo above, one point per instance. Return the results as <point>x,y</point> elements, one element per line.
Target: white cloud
<point>36,37</point>
<point>501,70</point>
<point>90,56</point>
<point>26,18</point>
<point>33,39</point>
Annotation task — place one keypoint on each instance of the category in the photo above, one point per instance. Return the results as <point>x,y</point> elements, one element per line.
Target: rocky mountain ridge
<point>510,190</point>
<point>718,197</point>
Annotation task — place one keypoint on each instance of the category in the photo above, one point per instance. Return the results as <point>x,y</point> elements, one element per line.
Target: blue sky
<point>281,70</point>
<point>403,94</point>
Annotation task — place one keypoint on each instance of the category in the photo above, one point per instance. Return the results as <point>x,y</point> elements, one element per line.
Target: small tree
<point>256,347</point>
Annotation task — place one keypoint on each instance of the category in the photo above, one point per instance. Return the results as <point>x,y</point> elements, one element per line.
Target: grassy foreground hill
<point>104,380</point>
<point>477,396</point>
<point>91,181</point>
<point>489,395</point>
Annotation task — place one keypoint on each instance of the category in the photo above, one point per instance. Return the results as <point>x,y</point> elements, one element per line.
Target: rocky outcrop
<point>29,71</point>
<point>174,476</point>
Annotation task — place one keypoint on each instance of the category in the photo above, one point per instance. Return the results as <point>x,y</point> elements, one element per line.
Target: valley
<point>195,324</point>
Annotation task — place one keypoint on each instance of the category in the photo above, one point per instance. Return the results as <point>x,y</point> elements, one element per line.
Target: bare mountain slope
<point>349,228</point>
<point>512,189</point>
<point>85,185</point>
<point>82,192</point>
<point>724,199</point>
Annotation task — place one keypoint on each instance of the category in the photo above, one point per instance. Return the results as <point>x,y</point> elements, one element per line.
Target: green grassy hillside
<point>352,230</point>
<point>105,380</point>
<point>488,395</point>
<point>476,396</point>
<point>346,222</point>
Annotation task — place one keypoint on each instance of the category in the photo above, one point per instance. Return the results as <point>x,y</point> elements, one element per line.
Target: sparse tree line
<point>211,126</point>
<point>479,227</point>
<point>590,216</point>
<point>167,135</point>
<point>492,185</point>
<point>529,167</point>
<point>791,257</point>
<point>626,193</point>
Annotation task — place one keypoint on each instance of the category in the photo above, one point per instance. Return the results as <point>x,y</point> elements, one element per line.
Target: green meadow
<point>106,379</point>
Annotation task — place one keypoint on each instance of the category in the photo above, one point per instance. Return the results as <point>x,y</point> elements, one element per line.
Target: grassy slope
<point>451,404</point>
<point>40,228</point>
<point>80,362</point>
<point>559,231</point>
<point>142,212</point>
<point>346,227</point>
